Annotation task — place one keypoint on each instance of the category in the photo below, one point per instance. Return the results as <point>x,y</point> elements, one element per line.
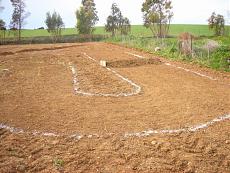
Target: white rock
<point>157,49</point>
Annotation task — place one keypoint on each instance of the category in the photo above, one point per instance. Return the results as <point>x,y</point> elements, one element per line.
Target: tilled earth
<point>37,95</point>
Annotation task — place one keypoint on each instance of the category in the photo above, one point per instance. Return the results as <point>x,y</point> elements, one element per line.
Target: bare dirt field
<point>61,111</point>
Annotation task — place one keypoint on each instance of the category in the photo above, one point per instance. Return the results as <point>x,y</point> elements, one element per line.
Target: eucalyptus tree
<point>19,15</point>
<point>116,22</point>
<point>86,17</point>
<point>54,24</point>
<point>157,16</point>
<point>216,22</point>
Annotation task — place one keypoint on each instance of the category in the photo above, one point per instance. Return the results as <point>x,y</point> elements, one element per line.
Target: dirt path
<point>38,95</point>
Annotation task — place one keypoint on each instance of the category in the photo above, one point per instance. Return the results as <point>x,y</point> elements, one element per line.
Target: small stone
<point>157,49</point>
<point>227,141</point>
<point>154,142</point>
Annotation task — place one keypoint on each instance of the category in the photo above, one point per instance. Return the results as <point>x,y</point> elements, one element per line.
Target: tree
<point>86,17</point>
<point>157,16</point>
<point>2,27</point>
<point>2,31</point>
<point>54,24</point>
<point>112,24</point>
<point>19,15</point>
<point>216,22</point>
<point>125,26</point>
<point>116,22</point>
<point>2,23</point>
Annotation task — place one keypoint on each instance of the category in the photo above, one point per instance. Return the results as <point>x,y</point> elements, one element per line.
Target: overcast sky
<point>185,11</point>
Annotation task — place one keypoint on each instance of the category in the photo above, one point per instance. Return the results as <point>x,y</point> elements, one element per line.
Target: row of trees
<point>18,18</point>
<point>157,15</point>
<point>87,18</point>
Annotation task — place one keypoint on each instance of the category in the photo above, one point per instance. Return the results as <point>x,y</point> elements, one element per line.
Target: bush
<point>219,59</point>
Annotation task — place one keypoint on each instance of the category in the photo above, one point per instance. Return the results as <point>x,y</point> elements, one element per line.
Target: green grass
<point>136,30</point>
<point>44,32</point>
<point>217,59</point>
<point>175,30</point>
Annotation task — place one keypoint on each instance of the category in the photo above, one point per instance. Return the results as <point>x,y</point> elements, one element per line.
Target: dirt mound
<point>133,63</point>
<point>6,53</point>
<point>42,49</point>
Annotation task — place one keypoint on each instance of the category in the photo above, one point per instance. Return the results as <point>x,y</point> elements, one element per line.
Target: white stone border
<point>194,72</point>
<point>150,132</point>
<point>178,67</point>
<point>171,131</point>
<point>136,88</point>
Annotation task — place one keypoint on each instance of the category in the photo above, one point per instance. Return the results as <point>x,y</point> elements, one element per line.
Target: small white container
<point>103,63</point>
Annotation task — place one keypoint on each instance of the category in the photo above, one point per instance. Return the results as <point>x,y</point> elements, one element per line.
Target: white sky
<point>185,11</point>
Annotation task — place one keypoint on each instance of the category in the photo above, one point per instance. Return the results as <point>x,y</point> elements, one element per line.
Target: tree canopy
<point>216,22</point>
<point>2,23</point>
<point>19,15</point>
<point>54,24</point>
<point>86,17</point>
<point>157,16</point>
<point>116,22</point>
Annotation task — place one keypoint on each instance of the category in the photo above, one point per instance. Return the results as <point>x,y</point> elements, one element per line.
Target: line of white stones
<point>194,72</point>
<point>146,133</point>
<point>171,131</point>
<point>136,88</point>
<point>178,67</point>
<point>126,135</point>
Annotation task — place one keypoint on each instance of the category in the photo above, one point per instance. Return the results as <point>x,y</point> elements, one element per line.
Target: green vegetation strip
<point>137,30</point>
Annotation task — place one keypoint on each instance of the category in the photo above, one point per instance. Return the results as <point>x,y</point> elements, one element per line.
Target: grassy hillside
<point>175,30</point>
<point>137,30</point>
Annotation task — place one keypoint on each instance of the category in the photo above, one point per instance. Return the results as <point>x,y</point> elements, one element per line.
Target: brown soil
<point>38,94</point>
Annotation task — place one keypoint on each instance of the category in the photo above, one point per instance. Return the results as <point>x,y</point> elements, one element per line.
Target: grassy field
<point>215,59</point>
<point>175,30</point>
<point>137,30</point>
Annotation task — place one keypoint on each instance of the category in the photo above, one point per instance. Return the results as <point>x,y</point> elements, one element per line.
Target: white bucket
<point>103,63</point>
